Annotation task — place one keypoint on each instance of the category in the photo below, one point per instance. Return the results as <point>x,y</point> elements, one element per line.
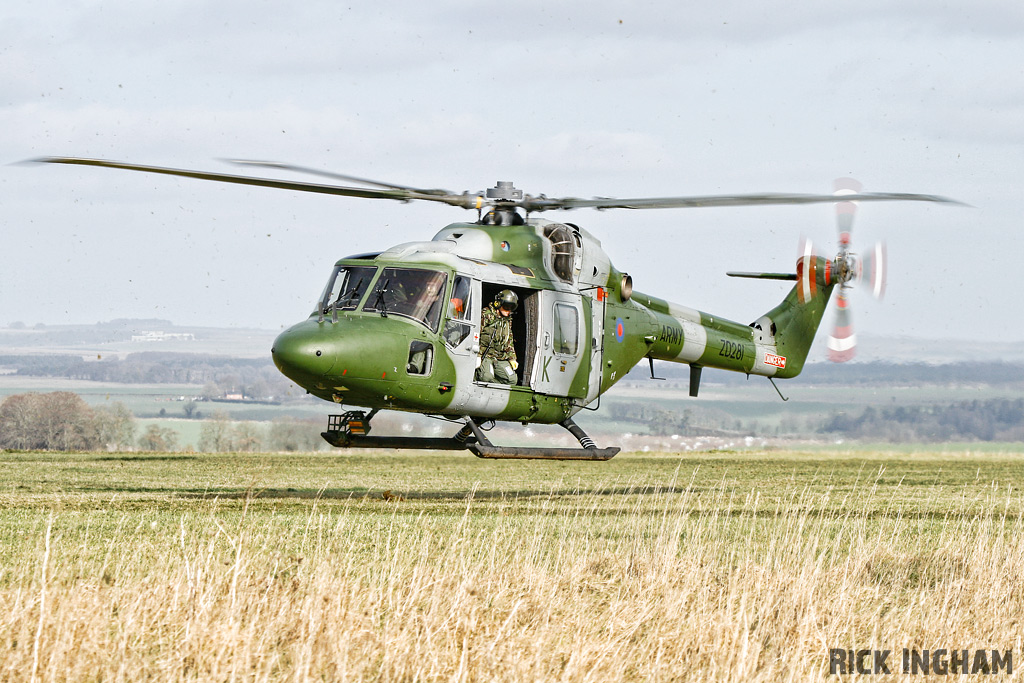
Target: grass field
<point>716,566</point>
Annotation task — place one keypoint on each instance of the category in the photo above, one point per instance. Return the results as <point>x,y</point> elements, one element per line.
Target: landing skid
<point>340,435</point>
<point>511,453</point>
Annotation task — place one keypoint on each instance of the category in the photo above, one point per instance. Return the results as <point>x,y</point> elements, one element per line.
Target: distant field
<point>719,566</point>
<point>749,407</point>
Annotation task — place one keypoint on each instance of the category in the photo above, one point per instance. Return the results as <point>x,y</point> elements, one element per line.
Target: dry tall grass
<point>686,582</point>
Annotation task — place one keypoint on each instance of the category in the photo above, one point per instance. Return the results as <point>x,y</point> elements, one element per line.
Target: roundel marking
<point>620,330</point>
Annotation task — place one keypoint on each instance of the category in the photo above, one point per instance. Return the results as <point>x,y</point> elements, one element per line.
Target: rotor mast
<point>506,199</point>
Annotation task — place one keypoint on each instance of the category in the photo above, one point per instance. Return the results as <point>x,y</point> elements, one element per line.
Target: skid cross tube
<point>483,448</point>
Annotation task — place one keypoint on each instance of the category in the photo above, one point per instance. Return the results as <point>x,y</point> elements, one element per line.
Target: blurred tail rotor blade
<point>845,211</point>
<point>842,343</point>
<point>875,269</point>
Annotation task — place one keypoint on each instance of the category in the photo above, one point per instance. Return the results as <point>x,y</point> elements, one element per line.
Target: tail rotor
<point>814,273</point>
<point>842,342</point>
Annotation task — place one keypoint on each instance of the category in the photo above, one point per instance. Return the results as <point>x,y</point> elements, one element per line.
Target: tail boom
<point>774,345</point>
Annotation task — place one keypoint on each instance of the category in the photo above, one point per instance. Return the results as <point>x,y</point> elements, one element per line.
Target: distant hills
<point>122,336</point>
<point>872,348</point>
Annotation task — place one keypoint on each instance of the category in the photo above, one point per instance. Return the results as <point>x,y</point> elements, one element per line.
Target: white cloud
<point>561,98</point>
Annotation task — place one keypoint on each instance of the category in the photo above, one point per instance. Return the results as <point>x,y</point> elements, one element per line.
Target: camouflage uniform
<point>496,348</point>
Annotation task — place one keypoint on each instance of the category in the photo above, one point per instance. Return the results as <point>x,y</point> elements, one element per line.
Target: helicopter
<point>400,329</point>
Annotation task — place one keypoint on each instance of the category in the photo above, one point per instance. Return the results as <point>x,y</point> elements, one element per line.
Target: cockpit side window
<point>458,326</point>
<point>345,288</point>
<point>410,293</point>
<point>458,309</point>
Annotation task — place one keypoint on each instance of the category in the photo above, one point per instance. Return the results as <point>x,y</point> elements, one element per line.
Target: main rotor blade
<point>762,276</point>
<point>475,201</point>
<point>546,204</point>
<point>331,174</point>
<point>465,201</point>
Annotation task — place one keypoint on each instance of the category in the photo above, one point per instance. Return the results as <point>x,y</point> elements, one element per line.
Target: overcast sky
<point>568,99</point>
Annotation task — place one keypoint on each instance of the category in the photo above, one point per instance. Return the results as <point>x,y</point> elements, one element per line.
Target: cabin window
<point>409,293</point>
<point>421,358</point>
<point>566,329</point>
<point>345,288</point>
<point>458,326</point>
<point>562,250</point>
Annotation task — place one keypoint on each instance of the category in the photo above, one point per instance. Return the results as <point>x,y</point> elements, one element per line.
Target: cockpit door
<point>564,353</point>
<point>461,331</point>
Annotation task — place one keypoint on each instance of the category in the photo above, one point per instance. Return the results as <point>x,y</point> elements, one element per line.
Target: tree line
<point>978,420</point>
<point>997,419</point>
<point>63,421</point>
<point>220,435</point>
<point>695,421</point>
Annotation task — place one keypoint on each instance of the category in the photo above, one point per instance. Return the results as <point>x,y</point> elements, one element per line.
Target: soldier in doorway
<point>498,354</point>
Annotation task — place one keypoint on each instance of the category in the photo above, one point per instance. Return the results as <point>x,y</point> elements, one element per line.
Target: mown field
<point>745,565</point>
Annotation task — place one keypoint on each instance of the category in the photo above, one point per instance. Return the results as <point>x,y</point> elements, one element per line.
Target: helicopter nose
<point>304,352</point>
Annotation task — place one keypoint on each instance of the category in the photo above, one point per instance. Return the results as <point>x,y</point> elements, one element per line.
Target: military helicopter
<point>400,329</point>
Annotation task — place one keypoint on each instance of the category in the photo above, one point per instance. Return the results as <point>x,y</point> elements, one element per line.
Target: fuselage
<point>400,329</point>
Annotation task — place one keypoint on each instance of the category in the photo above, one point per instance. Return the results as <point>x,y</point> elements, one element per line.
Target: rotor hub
<point>847,267</point>
<point>505,191</point>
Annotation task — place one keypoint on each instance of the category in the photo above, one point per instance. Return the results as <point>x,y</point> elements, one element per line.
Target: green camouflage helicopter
<point>401,329</point>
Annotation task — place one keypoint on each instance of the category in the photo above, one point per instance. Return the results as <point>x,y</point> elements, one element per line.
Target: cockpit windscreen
<point>345,289</point>
<point>409,292</point>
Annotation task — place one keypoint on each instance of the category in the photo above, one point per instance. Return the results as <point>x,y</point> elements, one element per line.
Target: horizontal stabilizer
<point>764,276</point>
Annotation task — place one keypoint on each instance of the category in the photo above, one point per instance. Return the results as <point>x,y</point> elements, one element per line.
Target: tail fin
<point>795,321</point>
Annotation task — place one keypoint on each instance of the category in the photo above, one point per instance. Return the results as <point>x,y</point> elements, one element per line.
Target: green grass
<point>137,488</point>
<point>717,566</point>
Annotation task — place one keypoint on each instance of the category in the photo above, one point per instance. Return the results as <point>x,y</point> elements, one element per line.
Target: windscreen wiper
<point>353,292</point>
<point>380,304</point>
<point>350,297</point>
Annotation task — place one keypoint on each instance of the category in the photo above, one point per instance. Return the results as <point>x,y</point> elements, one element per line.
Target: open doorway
<point>525,324</point>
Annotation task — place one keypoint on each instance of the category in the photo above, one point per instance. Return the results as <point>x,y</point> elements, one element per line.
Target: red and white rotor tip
<point>845,211</point>
<point>842,343</point>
